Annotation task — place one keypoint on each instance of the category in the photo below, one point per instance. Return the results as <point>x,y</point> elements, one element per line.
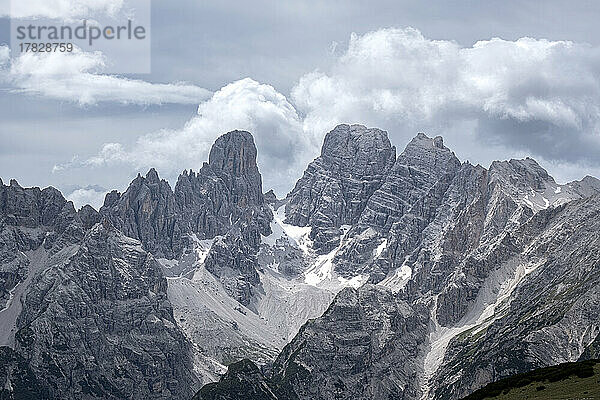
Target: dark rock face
<point>86,313</point>
<point>348,353</point>
<point>88,216</point>
<point>97,323</point>
<point>336,186</point>
<point>290,260</point>
<point>17,381</point>
<point>411,190</point>
<point>242,381</point>
<point>232,261</point>
<point>32,208</point>
<point>557,302</point>
<point>30,218</point>
<point>423,164</point>
<point>353,350</point>
<point>592,351</point>
<point>226,190</point>
<point>147,211</point>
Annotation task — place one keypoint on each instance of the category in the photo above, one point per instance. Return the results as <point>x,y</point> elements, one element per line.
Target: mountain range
<point>379,276</point>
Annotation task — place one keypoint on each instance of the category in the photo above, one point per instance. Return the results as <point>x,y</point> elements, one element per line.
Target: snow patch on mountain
<point>321,273</point>
<point>397,279</point>
<point>201,247</point>
<point>297,235</point>
<point>377,252</point>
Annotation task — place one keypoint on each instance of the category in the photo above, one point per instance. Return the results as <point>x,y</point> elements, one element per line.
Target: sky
<point>497,80</point>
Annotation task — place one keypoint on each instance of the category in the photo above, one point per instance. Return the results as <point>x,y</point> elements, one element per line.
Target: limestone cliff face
<point>85,312</point>
<point>225,192</point>
<point>97,323</point>
<point>475,274</point>
<point>366,345</point>
<point>404,204</point>
<point>336,186</point>
<point>31,218</point>
<point>147,211</point>
<point>549,317</point>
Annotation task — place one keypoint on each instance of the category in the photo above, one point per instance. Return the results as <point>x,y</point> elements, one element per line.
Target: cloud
<point>496,99</point>
<point>535,95</point>
<point>77,77</point>
<point>94,196</point>
<point>59,9</point>
<point>284,149</point>
<point>4,57</point>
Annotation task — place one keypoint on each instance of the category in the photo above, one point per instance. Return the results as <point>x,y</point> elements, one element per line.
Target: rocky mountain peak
<point>422,142</point>
<point>147,211</point>
<point>590,180</point>
<point>351,141</point>
<point>88,216</point>
<point>521,172</point>
<point>152,176</point>
<point>111,198</point>
<point>207,203</point>
<point>271,197</point>
<point>525,165</point>
<point>336,186</point>
<point>234,153</point>
<point>428,155</point>
<point>586,187</point>
<point>409,191</point>
<point>425,141</point>
<point>226,190</point>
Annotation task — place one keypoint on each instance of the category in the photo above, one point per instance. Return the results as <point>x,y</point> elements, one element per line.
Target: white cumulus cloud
<point>536,95</point>
<point>77,77</point>
<point>59,9</point>
<point>494,100</point>
<point>284,149</point>
<point>88,195</point>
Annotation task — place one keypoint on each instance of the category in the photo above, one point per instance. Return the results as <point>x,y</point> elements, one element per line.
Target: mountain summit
<point>413,276</point>
<point>459,262</point>
<point>336,186</point>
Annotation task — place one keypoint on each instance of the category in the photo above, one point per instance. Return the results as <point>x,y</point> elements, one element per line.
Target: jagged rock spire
<point>147,211</point>
<point>234,153</point>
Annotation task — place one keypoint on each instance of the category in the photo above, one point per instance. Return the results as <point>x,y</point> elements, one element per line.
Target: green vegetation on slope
<point>580,380</point>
